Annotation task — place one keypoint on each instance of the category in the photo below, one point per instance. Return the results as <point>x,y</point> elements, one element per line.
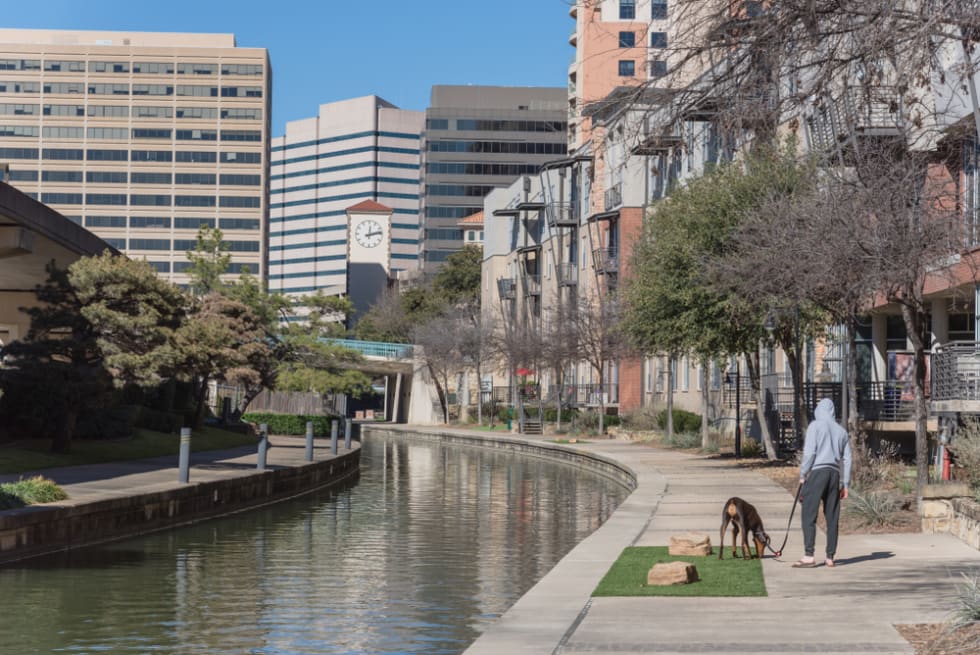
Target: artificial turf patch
<point>727,577</point>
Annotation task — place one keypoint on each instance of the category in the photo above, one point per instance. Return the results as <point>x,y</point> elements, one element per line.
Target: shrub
<point>30,492</point>
<point>752,448</point>
<point>590,420</point>
<point>291,423</point>
<point>965,447</point>
<point>110,423</point>
<point>153,419</point>
<point>645,418</point>
<point>684,421</point>
<point>873,508</point>
<point>873,469</point>
<point>683,440</point>
<point>968,601</point>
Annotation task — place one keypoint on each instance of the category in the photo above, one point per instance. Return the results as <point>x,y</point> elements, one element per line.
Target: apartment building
<point>477,139</point>
<point>362,149</point>
<point>142,137</point>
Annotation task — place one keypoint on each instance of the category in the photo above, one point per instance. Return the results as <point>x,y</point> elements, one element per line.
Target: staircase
<point>532,426</point>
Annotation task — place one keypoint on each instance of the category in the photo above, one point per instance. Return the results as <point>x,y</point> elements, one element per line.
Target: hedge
<point>291,423</point>
<point>684,421</point>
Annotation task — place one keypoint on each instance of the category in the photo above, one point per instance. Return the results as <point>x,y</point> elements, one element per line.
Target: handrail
<point>378,349</point>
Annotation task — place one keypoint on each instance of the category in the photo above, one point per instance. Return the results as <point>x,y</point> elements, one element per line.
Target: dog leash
<point>796,499</point>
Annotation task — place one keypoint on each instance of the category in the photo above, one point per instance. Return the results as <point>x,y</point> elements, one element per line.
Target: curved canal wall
<point>54,527</point>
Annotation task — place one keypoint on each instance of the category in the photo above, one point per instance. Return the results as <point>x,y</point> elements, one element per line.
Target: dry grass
<point>942,638</point>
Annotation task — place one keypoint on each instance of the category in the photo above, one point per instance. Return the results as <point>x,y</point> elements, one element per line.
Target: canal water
<point>420,555</point>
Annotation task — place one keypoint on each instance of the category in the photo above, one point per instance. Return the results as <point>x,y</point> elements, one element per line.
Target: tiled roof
<point>370,206</point>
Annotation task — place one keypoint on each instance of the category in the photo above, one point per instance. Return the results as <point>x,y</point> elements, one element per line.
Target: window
<point>195,178</point>
<point>151,133</point>
<point>658,40</point>
<point>61,198</point>
<point>197,112</point>
<point>241,158</point>
<point>58,132</point>
<point>153,112</point>
<point>657,68</point>
<point>150,178</point>
<point>149,244</point>
<point>105,198</point>
<point>150,222</point>
<point>627,9</point>
<point>658,10</point>
<point>241,69</point>
<point>108,111</point>
<point>118,244</point>
<point>243,246</point>
<point>240,180</point>
<point>151,155</point>
<point>239,223</point>
<point>109,89</point>
<point>753,9</point>
<point>241,92</point>
<point>19,130</point>
<point>194,157</point>
<point>65,66</point>
<point>194,201</point>
<point>108,67</point>
<point>108,155</point>
<point>437,124</point>
<point>61,176</point>
<point>197,135</point>
<point>59,87</point>
<point>19,110</point>
<point>241,135</point>
<point>20,64</point>
<point>106,177</point>
<point>242,114</point>
<point>971,192</point>
<point>160,267</point>
<point>63,110</point>
<point>197,91</point>
<point>627,39</point>
<point>64,154</point>
<point>105,221</point>
<point>22,176</point>
<point>149,200</point>
<point>153,68</point>
<point>108,133</point>
<point>240,201</point>
<point>18,153</point>
<point>627,68</point>
<point>196,69</point>
<point>152,90</point>
<point>184,223</point>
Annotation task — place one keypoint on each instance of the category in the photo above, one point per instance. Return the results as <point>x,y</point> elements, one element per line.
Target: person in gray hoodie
<point>825,473</point>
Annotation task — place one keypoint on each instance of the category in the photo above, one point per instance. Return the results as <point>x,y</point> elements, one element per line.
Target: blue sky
<point>326,50</point>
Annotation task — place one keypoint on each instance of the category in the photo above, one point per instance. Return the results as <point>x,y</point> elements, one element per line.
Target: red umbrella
<point>524,372</point>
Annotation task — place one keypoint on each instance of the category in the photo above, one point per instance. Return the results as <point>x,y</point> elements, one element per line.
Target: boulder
<point>671,573</point>
<point>691,544</point>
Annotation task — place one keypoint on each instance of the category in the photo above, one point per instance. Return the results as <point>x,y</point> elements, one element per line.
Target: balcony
<point>532,284</point>
<point>562,214</point>
<point>567,274</point>
<point>573,38</point>
<point>507,288</point>
<point>606,260</point>
<point>956,377</point>
<point>613,198</point>
<point>877,113</point>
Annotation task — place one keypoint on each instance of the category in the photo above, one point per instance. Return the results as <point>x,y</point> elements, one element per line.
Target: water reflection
<point>418,556</point>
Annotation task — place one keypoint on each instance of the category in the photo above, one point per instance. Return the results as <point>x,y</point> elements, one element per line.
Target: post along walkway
<point>880,580</point>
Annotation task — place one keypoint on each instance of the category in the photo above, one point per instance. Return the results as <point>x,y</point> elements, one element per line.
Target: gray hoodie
<point>826,443</point>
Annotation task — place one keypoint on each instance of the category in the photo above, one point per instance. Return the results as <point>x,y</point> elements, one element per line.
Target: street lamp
<point>738,408</point>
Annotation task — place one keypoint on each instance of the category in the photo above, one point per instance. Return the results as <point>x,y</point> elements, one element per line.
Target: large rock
<point>670,573</point>
<point>690,544</point>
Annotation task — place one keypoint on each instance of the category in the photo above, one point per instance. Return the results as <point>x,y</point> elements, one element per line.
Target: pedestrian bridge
<point>410,394</point>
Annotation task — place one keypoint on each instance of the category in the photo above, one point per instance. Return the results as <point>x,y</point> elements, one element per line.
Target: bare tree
<point>600,341</point>
<point>517,343</point>
<point>440,345</point>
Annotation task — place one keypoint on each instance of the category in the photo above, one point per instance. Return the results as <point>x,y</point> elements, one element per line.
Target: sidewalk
<point>91,482</point>
<point>880,580</point>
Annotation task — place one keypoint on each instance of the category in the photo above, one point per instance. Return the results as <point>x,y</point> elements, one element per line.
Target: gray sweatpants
<point>822,484</point>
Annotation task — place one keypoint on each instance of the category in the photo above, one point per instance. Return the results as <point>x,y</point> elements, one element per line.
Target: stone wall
<point>42,529</point>
<point>948,508</point>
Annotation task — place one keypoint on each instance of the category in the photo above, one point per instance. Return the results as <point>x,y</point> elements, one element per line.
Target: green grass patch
<point>496,428</point>
<point>726,577</point>
<point>570,441</point>
<point>34,454</point>
<point>29,492</point>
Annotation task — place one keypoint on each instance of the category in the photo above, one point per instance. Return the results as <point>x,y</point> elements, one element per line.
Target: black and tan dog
<point>743,518</point>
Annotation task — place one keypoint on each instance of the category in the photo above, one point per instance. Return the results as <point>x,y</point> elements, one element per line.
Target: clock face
<point>368,233</point>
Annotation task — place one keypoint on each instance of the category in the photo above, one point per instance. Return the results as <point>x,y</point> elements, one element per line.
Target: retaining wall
<point>43,529</point>
<point>569,455</point>
<point>946,508</point>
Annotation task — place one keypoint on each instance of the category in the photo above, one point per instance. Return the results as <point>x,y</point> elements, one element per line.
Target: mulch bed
<point>942,639</point>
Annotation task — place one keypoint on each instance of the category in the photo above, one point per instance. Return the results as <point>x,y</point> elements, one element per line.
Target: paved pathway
<point>881,580</point>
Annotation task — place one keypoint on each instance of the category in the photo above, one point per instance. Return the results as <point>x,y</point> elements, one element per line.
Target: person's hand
<point>843,493</point>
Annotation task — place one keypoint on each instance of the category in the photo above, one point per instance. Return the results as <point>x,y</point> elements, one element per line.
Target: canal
<point>420,555</point>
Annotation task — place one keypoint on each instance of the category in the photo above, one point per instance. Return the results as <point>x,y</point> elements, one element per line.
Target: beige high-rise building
<point>142,137</point>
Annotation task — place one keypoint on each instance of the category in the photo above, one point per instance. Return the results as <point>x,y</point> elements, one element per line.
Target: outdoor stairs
<point>532,426</point>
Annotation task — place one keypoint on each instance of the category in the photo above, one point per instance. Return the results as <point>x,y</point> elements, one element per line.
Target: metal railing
<point>562,214</point>
<point>532,284</point>
<point>613,197</point>
<point>567,273</point>
<point>572,395</point>
<point>377,349</point>
<point>507,288</point>
<point>606,260</point>
<point>876,111</point>
<point>955,371</point>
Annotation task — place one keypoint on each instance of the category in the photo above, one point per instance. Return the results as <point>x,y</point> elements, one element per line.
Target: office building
<point>480,138</point>
<point>141,137</point>
<point>363,149</point>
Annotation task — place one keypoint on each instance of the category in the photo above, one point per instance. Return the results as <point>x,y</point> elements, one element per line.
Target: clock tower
<point>368,254</point>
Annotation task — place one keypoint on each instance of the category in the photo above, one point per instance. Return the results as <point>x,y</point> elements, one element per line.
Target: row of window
<point>179,156</point>
<point>165,222</point>
<point>503,147</point>
<point>150,200</point>
<point>186,90</point>
<point>179,267</point>
<point>487,125</point>
<point>451,212</point>
<point>627,9</point>
<point>153,68</point>
<point>657,40</point>
<point>70,132</point>
<point>655,68</point>
<point>178,244</point>
<point>443,234</point>
<point>471,190</point>
<point>480,168</point>
<point>120,177</point>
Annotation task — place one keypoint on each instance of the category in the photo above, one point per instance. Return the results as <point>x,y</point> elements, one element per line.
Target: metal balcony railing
<point>562,214</point>
<point>532,284</point>
<point>955,372</point>
<point>613,197</point>
<point>874,112</point>
<point>606,260</point>
<point>567,274</point>
<point>507,288</point>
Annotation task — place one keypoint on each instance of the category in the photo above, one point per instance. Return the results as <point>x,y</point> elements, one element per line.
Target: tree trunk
<point>440,392</point>
<point>752,362</point>
<point>201,395</point>
<point>670,398</point>
<point>251,393</point>
<point>705,435</point>
<point>853,423</point>
<point>61,442</point>
<point>479,395</point>
<point>914,327</point>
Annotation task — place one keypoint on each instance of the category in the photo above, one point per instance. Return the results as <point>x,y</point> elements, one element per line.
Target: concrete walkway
<point>880,580</point>
<point>92,482</point>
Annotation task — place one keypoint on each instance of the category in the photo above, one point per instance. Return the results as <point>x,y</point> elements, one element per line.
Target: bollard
<point>348,424</point>
<point>333,437</point>
<point>184,458</point>
<point>309,441</point>
<point>263,446</point>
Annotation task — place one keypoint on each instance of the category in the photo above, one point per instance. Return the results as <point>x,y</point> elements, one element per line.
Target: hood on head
<point>825,410</point>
